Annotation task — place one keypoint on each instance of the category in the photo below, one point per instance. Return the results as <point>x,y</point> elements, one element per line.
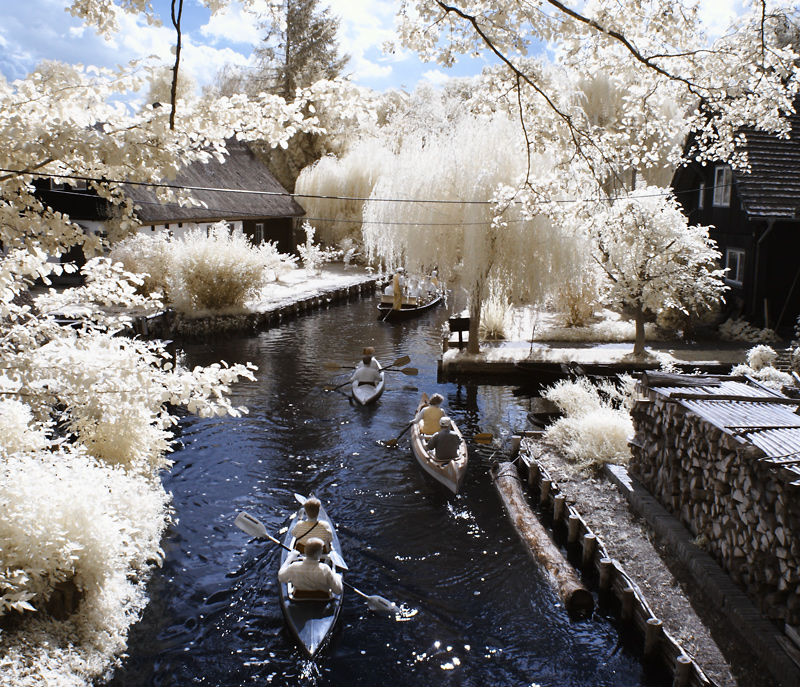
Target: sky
<point>42,30</point>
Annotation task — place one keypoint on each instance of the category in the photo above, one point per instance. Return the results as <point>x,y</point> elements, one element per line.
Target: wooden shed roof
<point>749,412</point>
<point>771,189</point>
<point>223,187</point>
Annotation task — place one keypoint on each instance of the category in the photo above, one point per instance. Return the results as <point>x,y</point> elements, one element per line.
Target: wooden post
<point>606,573</point>
<point>558,572</point>
<point>574,528</point>
<point>683,671</point>
<point>652,637</point>
<point>544,498</point>
<point>559,507</point>
<point>589,547</point>
<point>628,603</point>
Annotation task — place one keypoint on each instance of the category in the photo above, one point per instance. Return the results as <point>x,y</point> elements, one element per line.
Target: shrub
<point>577,300</point>
<point>148,255</point>
<point>742,330</point>
<point>313,255</point>
<point>594,429</point>
<point>495,317</point>
<point>220,271</point>
<point>759,366</point>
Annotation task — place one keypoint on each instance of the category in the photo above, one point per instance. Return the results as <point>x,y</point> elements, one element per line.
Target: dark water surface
<point>476,609</point>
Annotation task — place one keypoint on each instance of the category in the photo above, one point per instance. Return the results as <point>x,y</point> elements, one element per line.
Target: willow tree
<point>447,203</point>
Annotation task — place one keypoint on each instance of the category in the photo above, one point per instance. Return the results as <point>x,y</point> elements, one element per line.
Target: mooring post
<point>559,507</point>
<point>589,548</point>
<point>544,497</point>
<point>683,671</point>
<point>628,603</point>
<point>606,573</point>
<point>652,637</point>
<point>574,528</point>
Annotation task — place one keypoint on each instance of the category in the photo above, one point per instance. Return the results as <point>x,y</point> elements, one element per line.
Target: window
<point>701,203</point>
<point>723,180</point>
<point>259,233</point>
<point>734,261</point>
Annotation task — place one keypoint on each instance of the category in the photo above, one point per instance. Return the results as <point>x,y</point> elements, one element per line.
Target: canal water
<point>476,610</point>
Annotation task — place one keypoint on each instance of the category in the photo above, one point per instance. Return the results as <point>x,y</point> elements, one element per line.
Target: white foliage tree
<point>652,257</point>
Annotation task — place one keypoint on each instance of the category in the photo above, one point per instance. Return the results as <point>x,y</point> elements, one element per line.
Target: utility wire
<point>286,194</point>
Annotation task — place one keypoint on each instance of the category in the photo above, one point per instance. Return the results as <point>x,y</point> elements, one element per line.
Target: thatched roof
<point>241,171</point>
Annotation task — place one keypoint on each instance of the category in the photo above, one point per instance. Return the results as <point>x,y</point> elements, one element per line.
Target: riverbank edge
<point>169,324</point>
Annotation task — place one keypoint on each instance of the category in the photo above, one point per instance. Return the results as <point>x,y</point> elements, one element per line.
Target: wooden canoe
<point>310,621</point>
<point>386,313</point>
<point>367,393</point>
<point>450,474</point>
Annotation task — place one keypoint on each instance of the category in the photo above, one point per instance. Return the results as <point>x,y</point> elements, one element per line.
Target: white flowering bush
<point>221,271</point>
<point>741,330</point>
<point>760,367</point>
<point>312,255</point>
<point>596,424</point>
<point>148,255</point>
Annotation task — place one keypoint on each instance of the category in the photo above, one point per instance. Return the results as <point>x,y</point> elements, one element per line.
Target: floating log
<point>558,572</point>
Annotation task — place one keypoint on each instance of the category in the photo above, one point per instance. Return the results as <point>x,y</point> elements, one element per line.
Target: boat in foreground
<point>310,620</point>
<point>450,474</point>
<point>409,308</point>
<point>368,393</point>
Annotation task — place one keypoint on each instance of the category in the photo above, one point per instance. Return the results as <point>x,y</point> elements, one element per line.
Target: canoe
<point>386,313</point>
<point>450,474</point>
<point>310,621</point>
<point>367,393</point>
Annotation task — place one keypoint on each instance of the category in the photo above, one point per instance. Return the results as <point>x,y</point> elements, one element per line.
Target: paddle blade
<point>484,437</point>
<point>410,371</point>
<point>405,360</point>
<point>253,527</point>
<point>391,443</point>
<point>382,606</point>
<point>332,366</point>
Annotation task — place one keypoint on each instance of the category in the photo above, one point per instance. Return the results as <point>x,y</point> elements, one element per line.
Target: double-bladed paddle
<point>255,528</point>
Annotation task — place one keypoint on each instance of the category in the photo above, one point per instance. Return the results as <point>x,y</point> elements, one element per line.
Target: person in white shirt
<point>307,573</point>
<point>304,530</point>
<point>365,373</point>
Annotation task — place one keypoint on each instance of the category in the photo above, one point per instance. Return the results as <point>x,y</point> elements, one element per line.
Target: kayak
<point>310,619</point>
<point>368,393</point>
<point>450,474</point>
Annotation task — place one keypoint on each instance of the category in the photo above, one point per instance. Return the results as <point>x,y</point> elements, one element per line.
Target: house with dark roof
<point>240,190</point>
<point>755,219</point>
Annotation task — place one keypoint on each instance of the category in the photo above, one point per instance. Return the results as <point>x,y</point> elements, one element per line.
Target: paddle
<point>338,386</point>
<point>252,526</point>
<point>403,360</point>
<point>483,436</point>
<point>393,442</point>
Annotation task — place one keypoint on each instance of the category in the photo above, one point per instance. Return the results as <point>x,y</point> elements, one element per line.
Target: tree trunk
<point>474,343</point>
<point>638,345</point>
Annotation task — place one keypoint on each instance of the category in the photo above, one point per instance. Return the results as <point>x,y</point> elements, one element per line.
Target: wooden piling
<point>558,572</point>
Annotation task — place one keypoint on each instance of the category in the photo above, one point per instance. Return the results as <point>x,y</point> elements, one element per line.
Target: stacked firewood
<point>740,507</point>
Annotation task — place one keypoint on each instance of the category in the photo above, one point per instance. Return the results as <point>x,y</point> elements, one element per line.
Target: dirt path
<point>667,585</point>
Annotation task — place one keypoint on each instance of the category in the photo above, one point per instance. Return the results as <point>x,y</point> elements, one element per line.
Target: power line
<point>286,194</point>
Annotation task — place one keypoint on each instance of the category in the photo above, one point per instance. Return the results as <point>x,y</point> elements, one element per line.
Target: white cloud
<point>717,15</point>
<point>436,76</point>
<point>232,25</point>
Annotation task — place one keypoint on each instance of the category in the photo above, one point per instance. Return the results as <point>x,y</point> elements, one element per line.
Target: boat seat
<point>308,594</point>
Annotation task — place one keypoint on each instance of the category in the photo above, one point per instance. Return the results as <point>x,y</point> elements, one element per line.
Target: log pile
<point>740,502</point>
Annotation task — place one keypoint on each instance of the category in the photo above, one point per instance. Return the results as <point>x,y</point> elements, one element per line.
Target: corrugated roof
<point>772,186</point>
<point>242,170</point>
<point>753,414</point>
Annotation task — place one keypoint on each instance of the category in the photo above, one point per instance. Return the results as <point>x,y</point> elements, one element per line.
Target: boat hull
<point>386,313</point>
<point>311,622</point>
<point>451,474</point>
<point>364,394</point>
